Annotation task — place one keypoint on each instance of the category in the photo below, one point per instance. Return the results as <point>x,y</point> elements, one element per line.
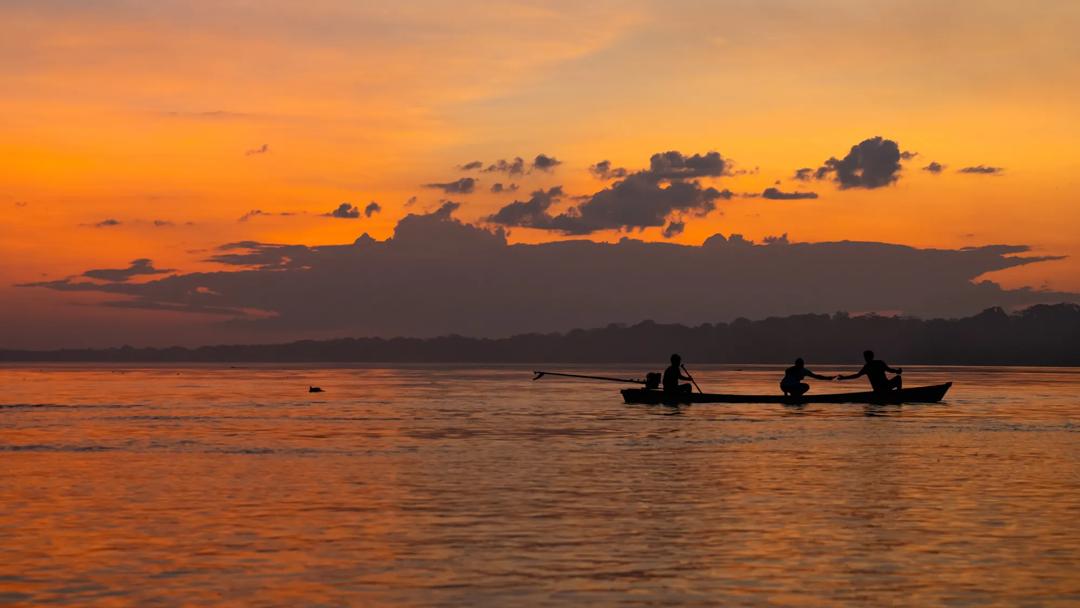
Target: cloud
<point>498,187</point>
<point>544,162</point>
<point>464,185</point>
<point>908,155</point>
<point>210,115</point>
<point>982,170</point>
<point>437,275</point>
<point>163,223</point>
<point>263,149</point>
<point>107,223</point>
<point>443,213</point>
<point>778,195</point>
<point>471,166</point>
<point>412,201</point>
<point>604,170</point>
<point>261,213</point>
<point>934,167</point>
<point>674,165</point>
<point>141,266</point>
<point>345,211</point>
<point>640,200</point>
<point>803,175</point>
<point>673,229</point>
<point>372,208</point>
<point>531,213</point>
<point>872,163</point>
<point>509,167</point>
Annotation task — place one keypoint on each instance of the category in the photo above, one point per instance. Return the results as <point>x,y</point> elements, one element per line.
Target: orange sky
<point>145,111</point>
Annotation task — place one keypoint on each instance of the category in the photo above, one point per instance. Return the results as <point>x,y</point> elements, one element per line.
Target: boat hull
<point>918,394</point>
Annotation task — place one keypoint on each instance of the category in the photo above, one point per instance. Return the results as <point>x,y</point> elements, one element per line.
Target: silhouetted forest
<point>1040,335</point>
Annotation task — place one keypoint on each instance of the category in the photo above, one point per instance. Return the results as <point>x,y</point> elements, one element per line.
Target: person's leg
<point>896,383</point>
<point>801,390</point>
<point>686,388</point>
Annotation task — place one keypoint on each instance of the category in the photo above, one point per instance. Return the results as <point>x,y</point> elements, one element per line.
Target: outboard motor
<point>652,380</point>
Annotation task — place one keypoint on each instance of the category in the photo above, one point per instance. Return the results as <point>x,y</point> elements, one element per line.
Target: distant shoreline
<point>1042,335</point>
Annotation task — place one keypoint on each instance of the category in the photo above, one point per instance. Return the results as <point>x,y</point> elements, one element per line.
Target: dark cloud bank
<point>438,276</point>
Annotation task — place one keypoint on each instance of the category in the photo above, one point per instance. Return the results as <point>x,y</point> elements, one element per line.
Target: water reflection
<point>474,486</point>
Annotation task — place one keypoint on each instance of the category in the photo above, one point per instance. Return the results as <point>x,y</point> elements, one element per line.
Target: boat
<point>918,394</point>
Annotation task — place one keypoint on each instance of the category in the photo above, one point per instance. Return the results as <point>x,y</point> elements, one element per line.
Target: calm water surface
<point>470,486</point>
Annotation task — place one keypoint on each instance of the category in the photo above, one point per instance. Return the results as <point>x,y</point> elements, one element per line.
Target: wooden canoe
<point>918,394</point>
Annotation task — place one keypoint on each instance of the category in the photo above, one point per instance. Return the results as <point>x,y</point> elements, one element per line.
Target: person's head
<point>868,355</point>
<point>799,362</point>
<point>676,359</point>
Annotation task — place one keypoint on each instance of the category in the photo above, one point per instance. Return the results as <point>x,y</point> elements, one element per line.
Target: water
<point>471,486</point>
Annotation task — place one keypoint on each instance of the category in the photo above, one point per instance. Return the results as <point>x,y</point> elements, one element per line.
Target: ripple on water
<point>430,486</point>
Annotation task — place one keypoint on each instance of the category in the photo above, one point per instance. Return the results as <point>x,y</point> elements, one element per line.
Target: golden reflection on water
<point>476,486</point>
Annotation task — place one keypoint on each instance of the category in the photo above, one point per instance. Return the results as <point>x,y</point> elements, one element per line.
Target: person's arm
<point>898,370</point>
<point>818,376</point>
<point>861,372</point>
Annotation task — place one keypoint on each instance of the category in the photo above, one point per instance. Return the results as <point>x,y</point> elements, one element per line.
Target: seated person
<point>874,370</point>
<point>673,374</point>
<point>793,384</point>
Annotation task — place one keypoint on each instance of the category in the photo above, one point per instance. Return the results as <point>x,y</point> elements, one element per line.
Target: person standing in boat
<point>673,375</point>
<point>793,385</point>
<point>875,370</point>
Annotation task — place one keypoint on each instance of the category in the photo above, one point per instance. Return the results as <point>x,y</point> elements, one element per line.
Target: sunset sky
<point>163,130</point>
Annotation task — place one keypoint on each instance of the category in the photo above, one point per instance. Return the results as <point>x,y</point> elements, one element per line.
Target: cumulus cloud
<point>464,185</point>
<point>531,213</point>
<point>141,266</point>
<point>640,200</point>
<point>488,287</point>
<point>372,208</point>
<point>908,155</point>
<point>674,165</point>
<point>778,195</point>
<point>474,165</point>
<point>498,187</point>
<point>345,211</point>
<point>544,162</point>
<point>934,167</point>
<point>872,163</point>
<point>604,170</point>
<point>263,149</point>
<point>513,167</point>
<point>982,170</point>
<point>443,213</point>
<point>803,175</point>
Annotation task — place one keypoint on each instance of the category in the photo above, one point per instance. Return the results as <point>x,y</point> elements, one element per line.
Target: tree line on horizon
<point>1039,335</point>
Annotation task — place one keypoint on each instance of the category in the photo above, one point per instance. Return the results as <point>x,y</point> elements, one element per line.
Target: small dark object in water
<point>314,389</point>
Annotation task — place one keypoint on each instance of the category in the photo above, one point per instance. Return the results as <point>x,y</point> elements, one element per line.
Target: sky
<point>142,144</point>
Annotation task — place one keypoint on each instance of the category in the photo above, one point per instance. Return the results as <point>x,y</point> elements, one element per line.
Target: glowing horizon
<point>175,120</point>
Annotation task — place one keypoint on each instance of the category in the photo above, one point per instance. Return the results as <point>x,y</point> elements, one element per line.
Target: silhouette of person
<point>673,374</point>
<point>792,384</point>
<point>874,370</point>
